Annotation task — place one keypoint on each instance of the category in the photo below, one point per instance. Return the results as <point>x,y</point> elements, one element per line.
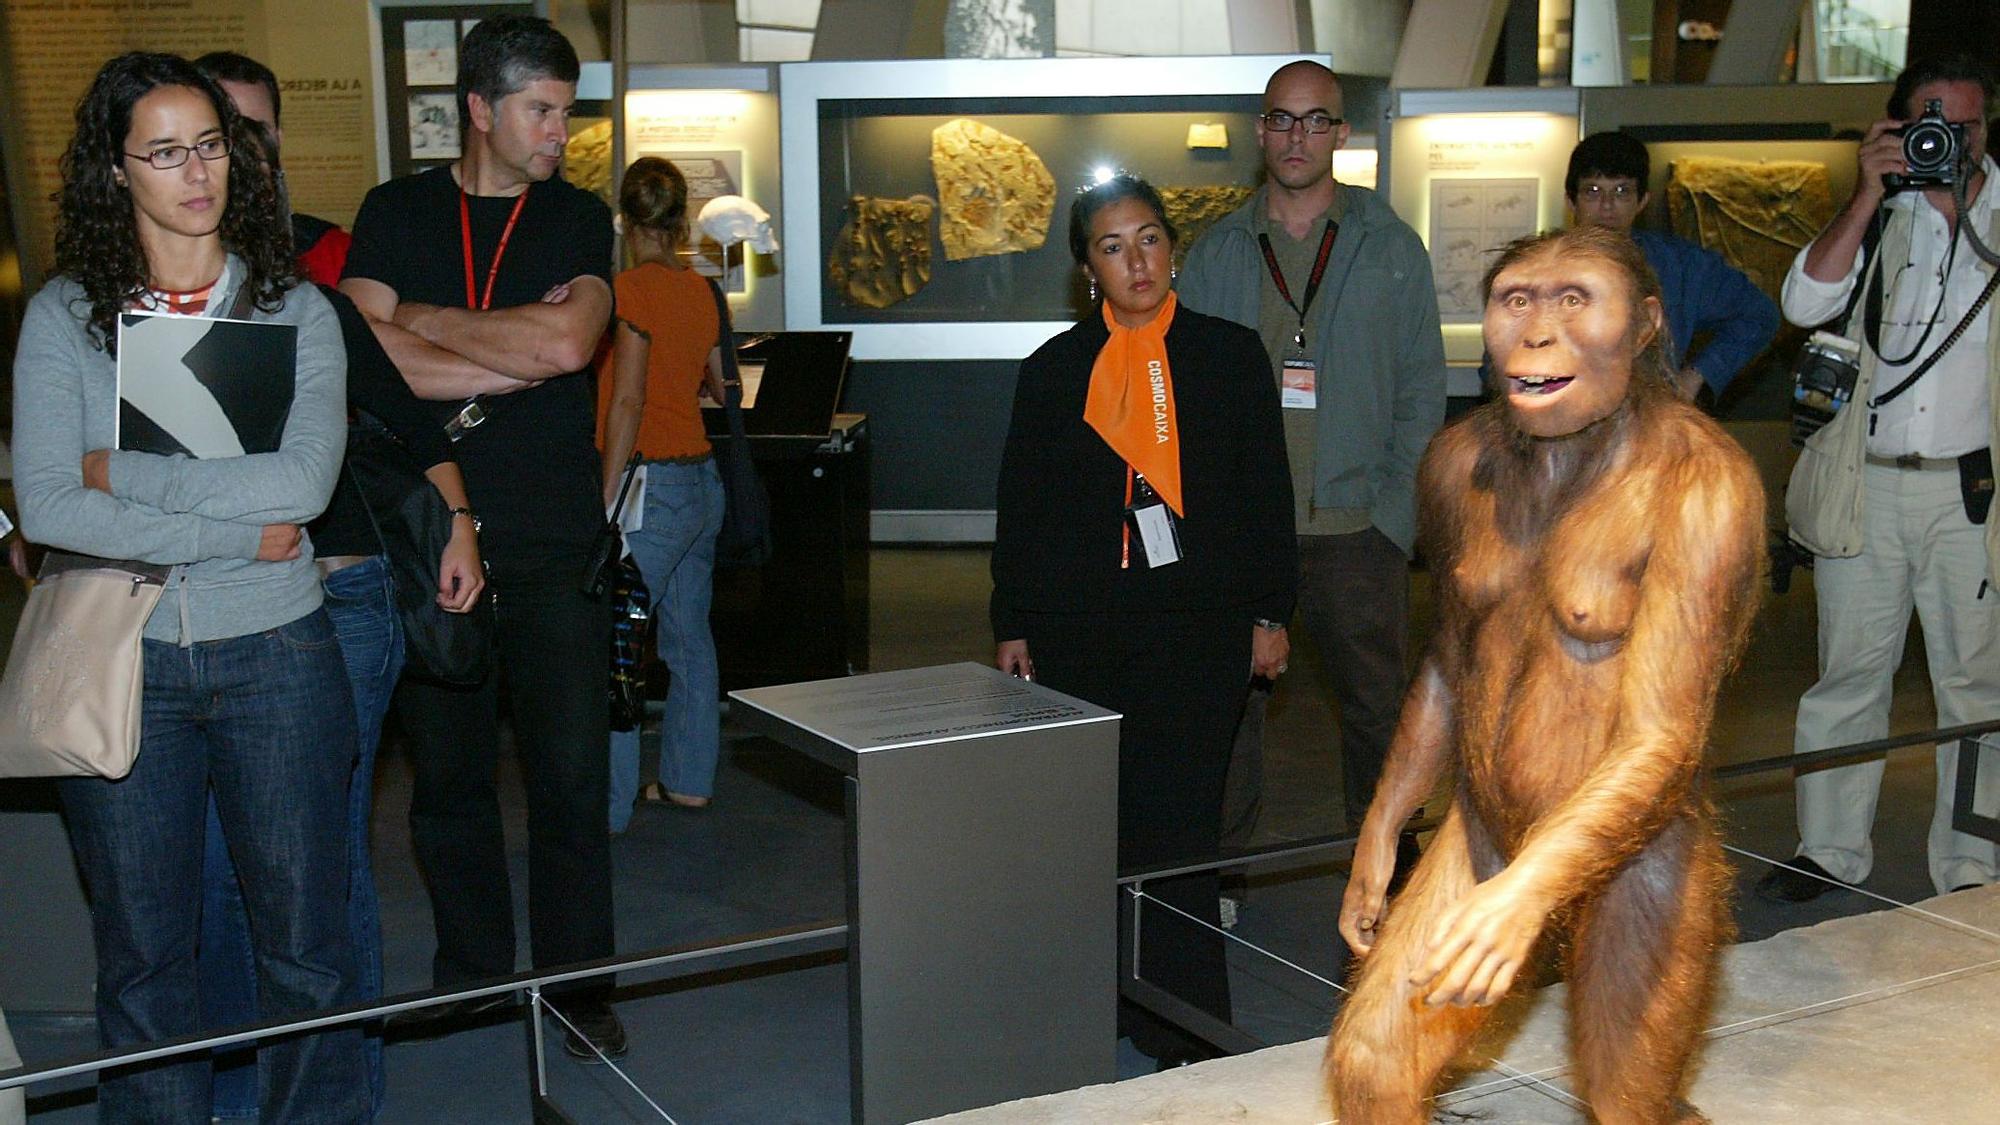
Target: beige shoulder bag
<point>70,698</point>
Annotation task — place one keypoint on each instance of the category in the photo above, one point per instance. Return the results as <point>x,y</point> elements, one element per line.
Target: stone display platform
<point>1882,1019</point>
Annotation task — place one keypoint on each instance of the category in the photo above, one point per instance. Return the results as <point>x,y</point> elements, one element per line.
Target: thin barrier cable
<point>1513,1075</point>
<point>1141,893</point>
<point>544,1005</point>
<point>753,950</point>
<point>1724,1031</point>
<point>1513,1078</point>
<point>1949,923</point>
<point>1818,1007</point>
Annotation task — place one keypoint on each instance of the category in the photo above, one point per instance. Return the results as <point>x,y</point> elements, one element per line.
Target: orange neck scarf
<point>1130,402</point>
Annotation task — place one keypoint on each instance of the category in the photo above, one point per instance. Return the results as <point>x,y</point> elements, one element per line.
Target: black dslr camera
<point>1932,149</point>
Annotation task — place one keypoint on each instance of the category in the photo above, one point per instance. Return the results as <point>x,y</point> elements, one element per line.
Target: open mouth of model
<point>1538,384</point>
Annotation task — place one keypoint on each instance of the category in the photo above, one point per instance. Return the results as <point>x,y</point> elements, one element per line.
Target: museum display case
<point>938,226</point>
<point>1471,170</point>
<point>719,125</point>
<point>1751,172</point>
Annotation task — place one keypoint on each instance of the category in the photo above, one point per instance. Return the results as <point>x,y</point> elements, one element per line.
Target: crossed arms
<point>453,353</point>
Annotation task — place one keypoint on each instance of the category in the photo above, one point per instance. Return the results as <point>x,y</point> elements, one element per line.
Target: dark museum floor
<point>770,1046</point>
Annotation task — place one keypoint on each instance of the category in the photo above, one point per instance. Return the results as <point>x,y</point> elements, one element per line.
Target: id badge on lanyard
<point>1298,376</point>
<point>1159,536</point>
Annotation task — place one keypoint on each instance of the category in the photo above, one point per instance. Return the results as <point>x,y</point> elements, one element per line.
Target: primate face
<point>1562,331</point>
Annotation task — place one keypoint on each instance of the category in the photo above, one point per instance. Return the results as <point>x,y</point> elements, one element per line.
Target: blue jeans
<point>675,550</point>
<point>361,604</point>
<point>264,721</point>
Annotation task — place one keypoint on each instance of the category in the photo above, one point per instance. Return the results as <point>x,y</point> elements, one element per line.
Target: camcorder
<point>1822,382</point>
<point>1932,150</point>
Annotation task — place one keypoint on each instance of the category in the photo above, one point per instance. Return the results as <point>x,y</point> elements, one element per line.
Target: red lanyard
<point>1312,283</point>
<point>472,300</point>
<point>1125,525</point>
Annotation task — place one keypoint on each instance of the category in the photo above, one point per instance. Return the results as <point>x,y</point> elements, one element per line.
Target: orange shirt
<point>674,308</point>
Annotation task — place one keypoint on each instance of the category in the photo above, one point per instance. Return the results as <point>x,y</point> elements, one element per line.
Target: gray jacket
<point>1375,337</point>
<point>204,518</point>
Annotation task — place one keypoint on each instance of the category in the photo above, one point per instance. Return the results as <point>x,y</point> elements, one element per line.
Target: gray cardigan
<point>204,518</point>
<point>1375,337</point>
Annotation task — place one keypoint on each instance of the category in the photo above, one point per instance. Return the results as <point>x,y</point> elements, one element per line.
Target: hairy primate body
<point>1595,560</point>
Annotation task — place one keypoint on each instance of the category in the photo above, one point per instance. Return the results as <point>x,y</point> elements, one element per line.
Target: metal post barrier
<point>684,960</point>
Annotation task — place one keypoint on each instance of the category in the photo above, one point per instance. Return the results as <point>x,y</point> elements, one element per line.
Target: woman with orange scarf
<point>1143,557</point>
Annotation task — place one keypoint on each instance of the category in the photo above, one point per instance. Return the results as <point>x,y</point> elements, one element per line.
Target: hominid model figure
<point>1596,546</point>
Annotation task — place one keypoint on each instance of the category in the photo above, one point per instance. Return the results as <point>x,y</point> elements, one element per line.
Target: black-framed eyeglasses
<point>169,157</point>
<point>1279,121</point>
<point>1597,193</point>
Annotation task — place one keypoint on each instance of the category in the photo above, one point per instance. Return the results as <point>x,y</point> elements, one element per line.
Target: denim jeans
<point>361,604</point>
<point>555,667</point>
<point>266,721</point>
<point>675,550</point>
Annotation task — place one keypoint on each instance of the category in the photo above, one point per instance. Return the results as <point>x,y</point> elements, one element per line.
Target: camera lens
<point>1926,147</point>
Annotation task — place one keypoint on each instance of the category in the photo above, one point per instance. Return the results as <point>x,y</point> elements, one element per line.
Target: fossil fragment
<point>1756,215</point>
<point>587,160</point>
<point>1192,210</point>
<point>883,252</point>
<point>995,194</point>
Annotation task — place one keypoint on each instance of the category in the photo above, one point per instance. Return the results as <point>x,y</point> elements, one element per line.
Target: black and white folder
<point>203,387</point>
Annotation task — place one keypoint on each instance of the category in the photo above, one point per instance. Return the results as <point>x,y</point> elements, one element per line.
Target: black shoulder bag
<point>413,523</point>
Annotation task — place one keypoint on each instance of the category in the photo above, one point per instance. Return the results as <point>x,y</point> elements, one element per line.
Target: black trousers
<point>1178,679</point>
<point>1354,605</point>
<point>554,649</point>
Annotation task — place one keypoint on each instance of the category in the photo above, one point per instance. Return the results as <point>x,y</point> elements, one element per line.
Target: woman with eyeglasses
<point>165,208</point>
<point>1142,556</point>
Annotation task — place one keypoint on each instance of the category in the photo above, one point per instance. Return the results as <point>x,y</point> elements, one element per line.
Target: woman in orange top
<point>664,351</point>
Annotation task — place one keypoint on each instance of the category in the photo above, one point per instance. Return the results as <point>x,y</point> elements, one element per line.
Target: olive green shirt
<point>1277,324</point>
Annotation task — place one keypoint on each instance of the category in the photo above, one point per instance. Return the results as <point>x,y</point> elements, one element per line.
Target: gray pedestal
<point>982,822</point>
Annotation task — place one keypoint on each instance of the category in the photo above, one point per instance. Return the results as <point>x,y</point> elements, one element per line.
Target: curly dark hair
<point>97,238</point>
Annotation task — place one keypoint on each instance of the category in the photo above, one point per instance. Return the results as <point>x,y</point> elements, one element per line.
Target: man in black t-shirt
<point>488,282</point>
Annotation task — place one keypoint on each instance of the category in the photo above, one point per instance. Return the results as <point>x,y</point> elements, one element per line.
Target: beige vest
<point>1823,501</point>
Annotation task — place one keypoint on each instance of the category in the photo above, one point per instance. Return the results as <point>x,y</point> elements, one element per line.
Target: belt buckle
<point>1909,461</point>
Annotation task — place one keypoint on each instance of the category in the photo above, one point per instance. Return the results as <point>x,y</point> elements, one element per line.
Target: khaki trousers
<point>1920,551</point>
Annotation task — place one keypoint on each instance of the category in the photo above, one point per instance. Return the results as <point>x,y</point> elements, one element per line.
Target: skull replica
<point>730,219</point>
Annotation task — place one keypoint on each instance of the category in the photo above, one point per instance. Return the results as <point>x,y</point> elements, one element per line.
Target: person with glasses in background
<point>1340,290</point>
<point>1606,187</point>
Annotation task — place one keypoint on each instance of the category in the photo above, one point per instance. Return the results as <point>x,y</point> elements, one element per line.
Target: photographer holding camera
<point>1893,494</point>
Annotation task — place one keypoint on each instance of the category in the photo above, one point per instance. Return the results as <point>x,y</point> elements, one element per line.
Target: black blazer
<point>1062,490</point>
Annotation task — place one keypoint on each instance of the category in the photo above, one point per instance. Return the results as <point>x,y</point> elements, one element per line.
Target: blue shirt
<point>1703,293</point>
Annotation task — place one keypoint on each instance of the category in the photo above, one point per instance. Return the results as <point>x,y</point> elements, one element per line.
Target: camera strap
<point>1964,323</point>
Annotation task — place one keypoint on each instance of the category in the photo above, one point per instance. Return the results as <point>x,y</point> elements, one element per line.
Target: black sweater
<point>1062,490</point>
